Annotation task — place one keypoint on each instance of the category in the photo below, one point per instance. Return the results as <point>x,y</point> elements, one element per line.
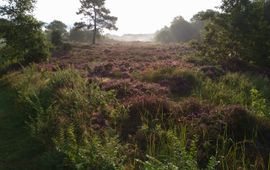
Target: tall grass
<point>78,124</point>
<point>247,90</point>
<point>61,107</point>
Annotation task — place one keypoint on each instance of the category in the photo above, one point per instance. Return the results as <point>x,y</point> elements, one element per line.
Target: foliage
<point>164,35</point>
<point>57,25</point>
<point>82,35</point>
<point>258,103</point>
<point>13,9</point>
<point>57,32</point>
<point>239,32</point>
<point>181,82</point>
<point>180,30</point>
<point>173,152</point>
<point>24,40</point>
<point>235,88</point>
<point>56,38</point>
<point>62,108</point>
<point>98,17</point>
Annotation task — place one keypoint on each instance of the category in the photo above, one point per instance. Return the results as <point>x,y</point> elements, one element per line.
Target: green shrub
<point>235,88</point>
<point>173,150</point>
<point>181,82</point>
<point>258,103</point>
<point>239,32</point>
<point>25,41</point>
<point>62,108</point>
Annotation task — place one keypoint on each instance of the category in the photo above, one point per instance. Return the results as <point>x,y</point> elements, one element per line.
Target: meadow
<point>134,106</point>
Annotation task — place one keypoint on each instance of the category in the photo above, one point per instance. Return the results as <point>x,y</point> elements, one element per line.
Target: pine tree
<point>98,17</point>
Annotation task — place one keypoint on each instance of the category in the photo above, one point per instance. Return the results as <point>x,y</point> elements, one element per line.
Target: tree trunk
<point>95,28</point>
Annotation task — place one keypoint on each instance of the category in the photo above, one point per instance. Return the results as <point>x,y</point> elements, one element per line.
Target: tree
<point>56,32</point>
<point>56,37</point>
<point>182,30</point>
<point>164,35</point>
<point>15,8</point>
<point>22,33</point>
<point>179,31</point>
<point>240,32</point>
<point>98,17</point>
<point>57,25</point>
<point>82,35</point>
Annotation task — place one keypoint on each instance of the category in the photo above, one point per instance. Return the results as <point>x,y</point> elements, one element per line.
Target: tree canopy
<point>15,8</point>
<point>240,32</point>
<point>180,31</point>
<point>21,33</point>
<point>56,32</point>
<point>57,25</point>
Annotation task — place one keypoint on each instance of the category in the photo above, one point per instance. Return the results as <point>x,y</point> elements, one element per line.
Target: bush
<point>25,42</point>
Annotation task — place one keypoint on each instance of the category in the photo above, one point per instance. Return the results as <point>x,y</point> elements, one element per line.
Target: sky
<point>134,16</point>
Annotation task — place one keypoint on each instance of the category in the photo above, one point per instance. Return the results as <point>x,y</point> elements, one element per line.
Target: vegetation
<point>239,32</point>
<point>180,30</point>
<point>77,125</point>
<point>24,41</point>
<point>136,105</point>
<point>99,17</point>
<point>57,32</point>
<point>82,35</point>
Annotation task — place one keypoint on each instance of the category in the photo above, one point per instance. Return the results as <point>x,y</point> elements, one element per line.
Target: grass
<point>17,148</point>
<point>179,81</point>
<point>74,124</point>
<point>61,109</point>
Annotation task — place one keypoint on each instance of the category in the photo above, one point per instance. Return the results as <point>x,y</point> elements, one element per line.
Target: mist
<point>134,17</point>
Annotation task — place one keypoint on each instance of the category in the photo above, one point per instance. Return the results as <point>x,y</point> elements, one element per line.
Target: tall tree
<point>98,17</point>
<point>240,32</point>
<point>24,41</point>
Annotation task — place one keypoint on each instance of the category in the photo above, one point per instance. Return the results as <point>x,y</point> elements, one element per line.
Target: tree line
<point>57,32</point>
<point>180,30</point>
<point>22,40</point>
<point>240,30</point>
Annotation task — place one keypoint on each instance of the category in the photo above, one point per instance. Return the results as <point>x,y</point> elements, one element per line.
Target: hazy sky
<point>134,16</point>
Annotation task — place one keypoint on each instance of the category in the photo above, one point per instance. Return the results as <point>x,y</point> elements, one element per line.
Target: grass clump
<point>247,90</point>
<point>65,113</point>
<point>80,126</point>
<point>180,82</point>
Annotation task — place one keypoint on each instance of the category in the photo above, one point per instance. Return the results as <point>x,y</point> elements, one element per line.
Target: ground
<point>161,86</point>
<point>117,64</point>
<point>114,64</point>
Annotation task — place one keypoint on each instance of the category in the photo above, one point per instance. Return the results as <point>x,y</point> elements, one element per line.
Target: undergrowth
<point>219,123</point>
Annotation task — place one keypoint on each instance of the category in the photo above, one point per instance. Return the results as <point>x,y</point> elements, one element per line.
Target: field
<point>133,106</point>
<point>119,64</point>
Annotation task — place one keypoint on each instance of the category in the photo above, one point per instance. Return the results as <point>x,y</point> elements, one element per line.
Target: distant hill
<point>132,37</point>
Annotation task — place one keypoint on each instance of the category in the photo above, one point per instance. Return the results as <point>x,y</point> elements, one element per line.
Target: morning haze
<point>134,16</point>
